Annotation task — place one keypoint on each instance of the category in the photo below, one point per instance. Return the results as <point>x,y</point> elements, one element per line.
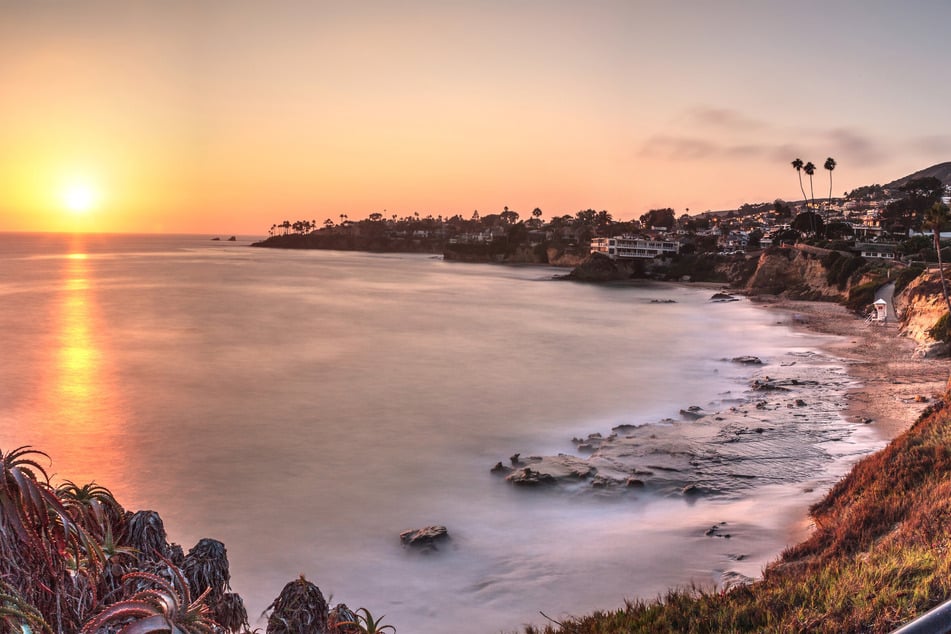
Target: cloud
<point>678,148</point>
<point>706,133</point>
<point>722,119</point>
<point>860,149</point>
<point>691,148</point>
<point>936,144</point>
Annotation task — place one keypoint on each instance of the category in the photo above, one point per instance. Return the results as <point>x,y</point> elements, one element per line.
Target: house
<point>877,250</point>
<point>629,247</point>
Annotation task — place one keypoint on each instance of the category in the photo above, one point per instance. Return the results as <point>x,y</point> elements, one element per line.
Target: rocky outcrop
<point>598,267</point>
<point>920,305</point>
<point>793,273</point>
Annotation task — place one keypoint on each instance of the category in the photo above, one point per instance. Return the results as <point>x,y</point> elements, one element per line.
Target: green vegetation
<point>879,556</point>
<point>841,269</point>
<point>940,330</point>
<point>906,276</point>
<point>861,296</point>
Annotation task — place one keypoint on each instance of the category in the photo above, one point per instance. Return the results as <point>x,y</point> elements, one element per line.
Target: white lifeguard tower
<point>881,310</point>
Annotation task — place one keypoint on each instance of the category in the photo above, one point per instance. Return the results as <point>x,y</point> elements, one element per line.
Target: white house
<point>626,247</point>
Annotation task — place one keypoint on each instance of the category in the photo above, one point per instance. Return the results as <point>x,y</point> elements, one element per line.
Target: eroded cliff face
<point>792,273</point>
<point>920,305</point>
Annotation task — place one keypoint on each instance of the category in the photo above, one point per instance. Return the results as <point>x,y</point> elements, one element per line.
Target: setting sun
<point>80,198</point>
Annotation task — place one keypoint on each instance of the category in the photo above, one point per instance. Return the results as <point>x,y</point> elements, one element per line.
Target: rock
<point>722,297</point>
<point>634,483</point>
<point>693,412</point>
<point>424,537</point>
<point>921,398</point>
<point>500,468</point>
<point>527,476</point>
<point>767,385</point>
<point>598,267</point>
<point>663,301</point>
<point>732,579</point>
<point>931,350</point>
<point>514,458</point>
<point>691,489</point>
<point>747,360</point>
<point>800,402</point>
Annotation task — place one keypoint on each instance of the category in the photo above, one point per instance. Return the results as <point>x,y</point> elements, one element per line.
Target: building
<point>629,247</point>
<point>879,250</point>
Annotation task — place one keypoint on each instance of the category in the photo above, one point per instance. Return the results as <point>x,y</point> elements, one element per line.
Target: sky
<point>225,117</point>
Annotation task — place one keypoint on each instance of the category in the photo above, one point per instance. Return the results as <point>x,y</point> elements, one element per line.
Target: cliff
<point>920,306</point>
<point>794,273</point>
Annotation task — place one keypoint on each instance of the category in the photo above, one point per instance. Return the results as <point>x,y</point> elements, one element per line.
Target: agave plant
<point>52,561</point>
<point>145,532</point>
<point>367,624</point>
<point>91,506</point>
<point>206,567</point>
<point>18,615</point>
<point>300,607</point>
<point>160,607</point>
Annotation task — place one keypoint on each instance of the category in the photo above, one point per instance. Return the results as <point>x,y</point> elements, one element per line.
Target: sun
<point>79,197</point>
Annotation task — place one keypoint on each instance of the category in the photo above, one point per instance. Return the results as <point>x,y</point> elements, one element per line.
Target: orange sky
<point>227,117</point>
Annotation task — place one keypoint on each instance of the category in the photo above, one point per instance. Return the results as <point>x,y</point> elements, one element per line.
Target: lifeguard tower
<point>881,310</point>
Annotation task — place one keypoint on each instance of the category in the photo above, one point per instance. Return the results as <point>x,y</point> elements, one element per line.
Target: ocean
<point>305,407</point>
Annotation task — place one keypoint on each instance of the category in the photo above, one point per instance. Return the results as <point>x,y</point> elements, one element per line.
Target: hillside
<point>941,171</point>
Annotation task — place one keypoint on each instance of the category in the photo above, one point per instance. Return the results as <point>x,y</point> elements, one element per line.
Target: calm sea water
<point>304,407</point>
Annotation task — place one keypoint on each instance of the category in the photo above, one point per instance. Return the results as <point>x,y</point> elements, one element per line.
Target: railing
<point>937,621</point>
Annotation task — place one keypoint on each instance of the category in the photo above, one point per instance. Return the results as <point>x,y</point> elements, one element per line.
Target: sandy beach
<point>893,382</point>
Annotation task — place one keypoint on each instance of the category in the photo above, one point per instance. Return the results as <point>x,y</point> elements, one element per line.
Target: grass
<point>879,556</point>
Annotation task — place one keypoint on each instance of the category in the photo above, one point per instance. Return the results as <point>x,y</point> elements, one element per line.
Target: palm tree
<point>798,165</point>
<point>810,169</point>
<point>830,165</point>
<point>935,218</point>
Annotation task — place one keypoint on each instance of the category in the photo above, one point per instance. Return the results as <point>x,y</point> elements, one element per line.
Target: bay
<point>304,407</point>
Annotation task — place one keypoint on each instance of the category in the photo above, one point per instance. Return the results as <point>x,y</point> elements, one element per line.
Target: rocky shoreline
<point>796,422</point>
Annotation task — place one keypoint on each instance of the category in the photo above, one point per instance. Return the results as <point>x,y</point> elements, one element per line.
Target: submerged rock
<point>424,537</point>
<point>527,476</point>
<point>693,412</point>
<point>747,360</point>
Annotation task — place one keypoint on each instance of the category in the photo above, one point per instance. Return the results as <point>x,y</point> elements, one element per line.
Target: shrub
<point>939,332</point>
<point>905,276</point>
<point>861,296</point>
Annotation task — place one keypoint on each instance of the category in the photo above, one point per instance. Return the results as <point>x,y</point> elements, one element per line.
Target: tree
<point>798,164</point>
<point>810,169</point>
<point>508,216</point>
<point>935,218</point>
<point>537,213</point>
<point>808,222</point>
<point>659,218</point>
<point>830,165</point>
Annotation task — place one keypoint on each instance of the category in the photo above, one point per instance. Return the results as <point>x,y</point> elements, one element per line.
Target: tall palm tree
<point>830,165</point>
<point>798,165</point>
<point>810,169</point>
<point>935,218</point>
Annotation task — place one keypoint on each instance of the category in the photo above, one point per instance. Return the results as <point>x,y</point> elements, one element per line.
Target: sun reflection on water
<point>81,409</point>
